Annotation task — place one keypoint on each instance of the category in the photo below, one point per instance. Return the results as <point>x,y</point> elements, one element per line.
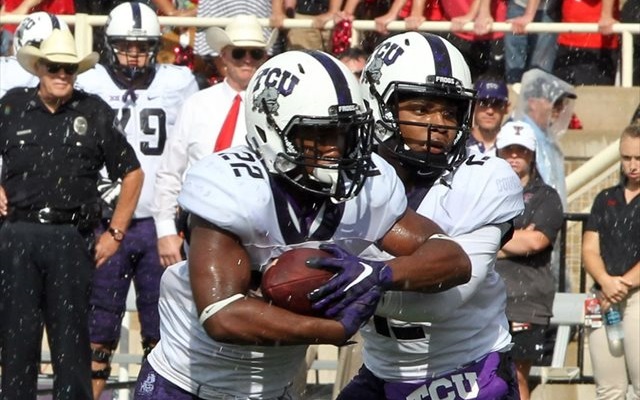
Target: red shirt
<point>586,11</point>
<point>51,6</point>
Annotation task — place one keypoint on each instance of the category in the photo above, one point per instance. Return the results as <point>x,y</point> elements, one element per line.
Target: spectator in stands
<point>319,11</point>
<point>546,103</point>
<point>227,9</point>
<point>354,58</point>
<point>524,262</point>
<point>491,107</point>
<point>198,129</point>
<point>524,51</point>
<point>611,255</point>
<point>588,58</point>
<point>146,98</point>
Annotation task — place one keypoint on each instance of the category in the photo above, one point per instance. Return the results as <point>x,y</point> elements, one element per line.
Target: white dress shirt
<point>194,137</point>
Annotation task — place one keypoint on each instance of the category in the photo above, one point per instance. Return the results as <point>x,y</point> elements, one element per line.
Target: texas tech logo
<point>269,84</point>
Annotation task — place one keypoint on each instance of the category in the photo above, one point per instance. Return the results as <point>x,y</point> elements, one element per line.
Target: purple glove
<point>354,277</point>
<point>358,312</point>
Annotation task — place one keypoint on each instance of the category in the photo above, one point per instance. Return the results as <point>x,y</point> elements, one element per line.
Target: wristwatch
<point>117,234</point>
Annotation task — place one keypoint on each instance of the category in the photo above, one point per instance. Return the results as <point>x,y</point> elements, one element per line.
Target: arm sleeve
<point>481,245</point>
<point>593,222</point>
<point>169,176</point>
<point>548,217</point>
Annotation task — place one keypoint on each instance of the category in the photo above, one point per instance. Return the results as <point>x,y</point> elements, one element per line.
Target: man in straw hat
<point>198,129</point>
<point>53,142</point>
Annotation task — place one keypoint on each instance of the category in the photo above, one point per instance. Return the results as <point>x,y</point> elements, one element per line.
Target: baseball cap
<point>491,89</point>
<point>516,133</point>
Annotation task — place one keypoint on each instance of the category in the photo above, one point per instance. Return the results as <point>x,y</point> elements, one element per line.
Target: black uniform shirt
<point>53,160</point>
<point>618,226</point>
<point>529,280</point>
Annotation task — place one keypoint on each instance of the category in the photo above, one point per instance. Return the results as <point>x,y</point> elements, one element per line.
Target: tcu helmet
<point>35,28</point>
<point>132,22</point>
<point>310,95</point>
<point>416,64</point>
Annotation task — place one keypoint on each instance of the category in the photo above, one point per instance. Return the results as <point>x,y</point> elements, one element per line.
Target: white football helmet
<point>310,94</point>
<point>132,22</point>
<point>415,64</point>
<point>35,28</point>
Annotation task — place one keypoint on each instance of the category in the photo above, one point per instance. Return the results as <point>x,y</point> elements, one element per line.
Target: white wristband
<point>217,306</point>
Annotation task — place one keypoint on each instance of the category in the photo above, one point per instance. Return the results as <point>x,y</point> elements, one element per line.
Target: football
<point>288,281</point>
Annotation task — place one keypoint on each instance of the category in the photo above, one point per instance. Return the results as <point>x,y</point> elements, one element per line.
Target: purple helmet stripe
<point>55,24</point>
<point>339,81</point>
<point>441,58</point>
<point>137,15</point>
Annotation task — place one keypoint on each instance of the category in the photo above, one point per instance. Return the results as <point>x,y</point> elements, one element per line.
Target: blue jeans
<point>523,52</point>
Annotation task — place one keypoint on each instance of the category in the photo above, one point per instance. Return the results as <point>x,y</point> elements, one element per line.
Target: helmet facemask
<point>340,173</point>
<point>425,164</point>
<point>130,70</point>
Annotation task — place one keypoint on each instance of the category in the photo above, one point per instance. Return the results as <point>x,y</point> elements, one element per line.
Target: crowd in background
<point>577,58</point>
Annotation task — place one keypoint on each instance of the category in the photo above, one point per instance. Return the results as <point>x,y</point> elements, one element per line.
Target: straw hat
<point>59,47</point>
<point>242,31</point>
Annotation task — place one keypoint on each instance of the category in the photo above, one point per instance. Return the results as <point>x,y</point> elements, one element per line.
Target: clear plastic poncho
<point>546,102</point>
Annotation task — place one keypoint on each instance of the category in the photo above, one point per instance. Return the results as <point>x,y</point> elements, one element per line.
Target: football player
<point>146,96</point>
<point>32,30</point>
<point>454,344</point>
<point>307,178</point>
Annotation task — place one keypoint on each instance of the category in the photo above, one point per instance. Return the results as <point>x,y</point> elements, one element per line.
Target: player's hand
<point>106,246</point>
<point>169,249</point>
<point>359,311</point>
<point>354,278</point>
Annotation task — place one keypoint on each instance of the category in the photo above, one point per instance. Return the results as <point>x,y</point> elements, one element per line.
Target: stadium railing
<point>84,24</point>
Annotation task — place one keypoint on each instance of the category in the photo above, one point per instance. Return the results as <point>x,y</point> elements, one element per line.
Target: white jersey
<point>232,190</point>
<point>148,119</point>
<point>12,75</point>
<point>474,206</point>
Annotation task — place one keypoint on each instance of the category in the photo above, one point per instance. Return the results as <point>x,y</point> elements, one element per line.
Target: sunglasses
<point>492,103</point>
<point>68,69</point>
<point>239,53</point>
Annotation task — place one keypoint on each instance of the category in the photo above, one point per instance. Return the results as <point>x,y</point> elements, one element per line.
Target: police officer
<point>53,141</point>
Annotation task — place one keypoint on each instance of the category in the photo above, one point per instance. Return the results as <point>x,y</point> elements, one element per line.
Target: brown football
<point>288,281</point>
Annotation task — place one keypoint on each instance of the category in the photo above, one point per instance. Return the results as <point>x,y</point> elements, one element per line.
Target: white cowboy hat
<point>59,47</point>
<point>242,31</point>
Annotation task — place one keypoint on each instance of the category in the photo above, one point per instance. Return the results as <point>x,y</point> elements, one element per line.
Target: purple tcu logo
<point>387,54</point>
<point>271,83</point>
